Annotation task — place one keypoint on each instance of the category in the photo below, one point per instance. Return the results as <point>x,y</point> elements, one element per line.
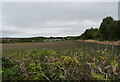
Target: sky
<point>59,0</point>
<point>31,19</point>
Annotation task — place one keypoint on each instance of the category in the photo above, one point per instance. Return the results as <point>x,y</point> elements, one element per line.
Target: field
<point>57,46</point>
<point>61,60</point>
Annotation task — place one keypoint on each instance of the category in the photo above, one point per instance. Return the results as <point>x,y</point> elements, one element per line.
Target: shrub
<point>67,65</point>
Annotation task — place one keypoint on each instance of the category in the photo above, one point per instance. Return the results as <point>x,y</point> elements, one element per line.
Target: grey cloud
<point>10,33</point>
<point>56,18</point>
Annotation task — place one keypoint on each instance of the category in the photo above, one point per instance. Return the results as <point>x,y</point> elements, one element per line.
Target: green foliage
<point>98,76</point>
<point>92,33</point>
<point>114,63</point>
<point>109,30</point>
<point>10,71</point>
<point>49,65</point>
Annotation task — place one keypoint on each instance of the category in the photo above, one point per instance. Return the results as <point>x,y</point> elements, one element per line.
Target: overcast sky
<point>27,19</point>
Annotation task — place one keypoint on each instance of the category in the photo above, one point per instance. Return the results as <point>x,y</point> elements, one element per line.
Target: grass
<point>69,64</point>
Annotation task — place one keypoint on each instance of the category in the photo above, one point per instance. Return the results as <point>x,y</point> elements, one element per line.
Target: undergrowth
<point>66,65</point>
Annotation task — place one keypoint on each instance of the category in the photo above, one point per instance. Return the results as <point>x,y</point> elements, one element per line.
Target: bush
<point>49,65</point>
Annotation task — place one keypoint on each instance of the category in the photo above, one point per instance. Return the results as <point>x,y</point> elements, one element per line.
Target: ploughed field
<point>58,46</point>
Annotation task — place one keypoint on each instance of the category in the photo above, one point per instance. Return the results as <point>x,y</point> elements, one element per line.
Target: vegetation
<point>22,40</point>
<point>108,30</point>
<point>66,65</point>
<point>92,33</point>
<point>31,39</point>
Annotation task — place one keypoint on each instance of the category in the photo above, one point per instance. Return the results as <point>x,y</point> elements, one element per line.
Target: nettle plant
<point>66,65</point>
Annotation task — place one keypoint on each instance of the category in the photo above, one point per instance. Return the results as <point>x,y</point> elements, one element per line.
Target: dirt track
<point>102,42</point>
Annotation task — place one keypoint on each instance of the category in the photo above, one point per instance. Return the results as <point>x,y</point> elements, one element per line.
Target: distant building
<point>33,40</point>
<point>52,40</point>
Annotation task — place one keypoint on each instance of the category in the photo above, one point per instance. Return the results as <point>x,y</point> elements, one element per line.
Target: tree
<point>108,30</point>
<point>91,33</point>
<point>113,31</point>
<point>104,27</point>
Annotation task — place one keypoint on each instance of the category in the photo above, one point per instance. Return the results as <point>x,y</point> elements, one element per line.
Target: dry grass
<point>103,42</point>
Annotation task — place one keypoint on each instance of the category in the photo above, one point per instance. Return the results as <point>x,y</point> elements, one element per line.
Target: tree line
<point>109,30</point>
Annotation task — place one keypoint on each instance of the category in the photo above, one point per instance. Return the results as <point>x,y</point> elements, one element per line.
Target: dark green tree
<point>113,31</point>
<point>104,28</point>
<point>108,30</point>
<point>91,33</point>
